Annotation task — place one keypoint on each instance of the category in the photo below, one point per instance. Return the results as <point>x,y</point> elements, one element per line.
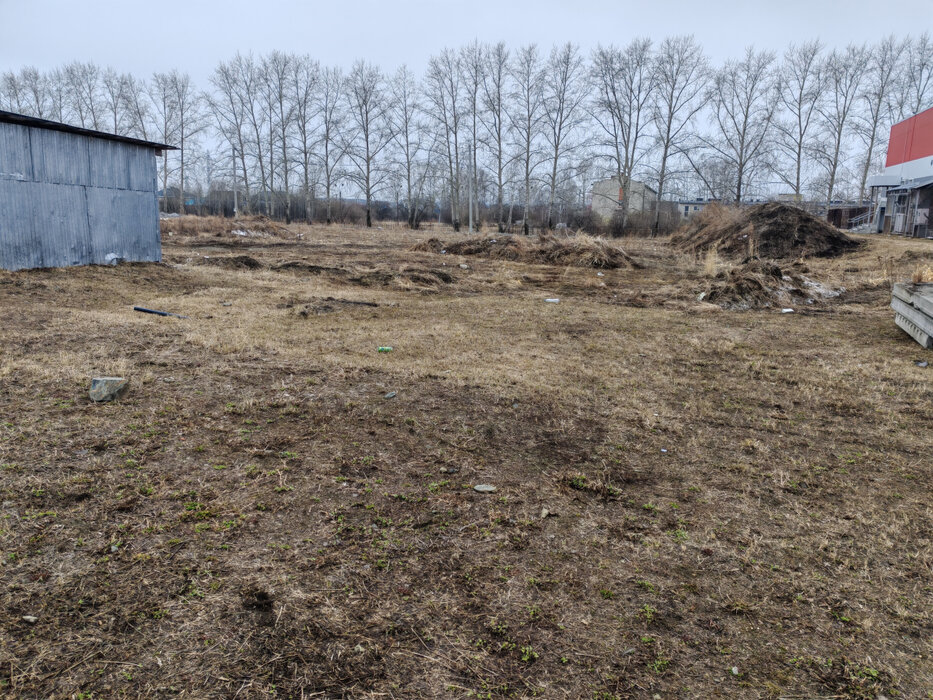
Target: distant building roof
<point>23,120</point>
<point>912,185</point>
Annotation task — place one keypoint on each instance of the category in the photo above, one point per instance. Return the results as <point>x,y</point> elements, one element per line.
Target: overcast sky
<point>193,35</point>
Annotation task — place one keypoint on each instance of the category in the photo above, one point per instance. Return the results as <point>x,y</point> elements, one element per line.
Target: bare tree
<point>332,121</point>
<point>843,71</point>
<point>565,91</point>
<point>743,103</point>
<point>443,90</point>
<point>250,88</point>
<point>525,115</point>
<point>228,107</point>
<point>913,91</point>
<point>409,134</point>
<point>277,69</point>
<point>190,118</point>
<point>136,106</point>
<point>493,118</point>
<point>11,96</point>
<point>35,88</point>
<point>165,122</point>
<point>680,75</point>
<point>84,93</point>
<point>473,65</point>
<point>305,79</point>
<point>368,107</point>
<point>799,88</point>
<point>884,61</point>
<point>112,98</point>
<point>624,82</point>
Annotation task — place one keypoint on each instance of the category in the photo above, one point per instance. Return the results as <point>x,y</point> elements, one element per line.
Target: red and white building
<point>903,196</point>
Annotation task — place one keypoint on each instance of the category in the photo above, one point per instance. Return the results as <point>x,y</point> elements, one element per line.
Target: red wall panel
<point>911,139</point>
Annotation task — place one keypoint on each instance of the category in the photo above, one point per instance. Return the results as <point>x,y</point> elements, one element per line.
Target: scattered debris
<point>391,395</point>
<point>384,348</point>
<point>107,388</point>
<point>157,313</point>
<point>553,301</point>
<point>30,619</point>
<point>113,259</point>
<point>464,266</point>
<point>924,363</point>
<point>546,513</point>
<point>226,303</point>
<point>787,311</point>
<point>484,488</point>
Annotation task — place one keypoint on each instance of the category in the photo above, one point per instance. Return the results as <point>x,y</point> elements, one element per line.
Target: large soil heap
<point>579,251</point>
<point>772,230</point>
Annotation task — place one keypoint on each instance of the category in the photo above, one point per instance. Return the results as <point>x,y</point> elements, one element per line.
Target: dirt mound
<point>772,230</point>
<point>232,262</point>
<point>758,285</point>
<point>579,251</point>
<point>299,266</point>
<point>218,226</point>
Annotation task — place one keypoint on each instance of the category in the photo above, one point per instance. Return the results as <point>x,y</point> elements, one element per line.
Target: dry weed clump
<point>922,274</point>
<point>218,226</point>
<point>578,250</point>
<point>772,230</point>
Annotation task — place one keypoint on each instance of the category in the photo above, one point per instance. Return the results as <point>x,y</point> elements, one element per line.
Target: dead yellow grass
<point>923,273</point>
<point>256,517</point>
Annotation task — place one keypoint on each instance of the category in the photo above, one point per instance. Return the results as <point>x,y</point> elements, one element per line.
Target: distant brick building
<point>608,196</point>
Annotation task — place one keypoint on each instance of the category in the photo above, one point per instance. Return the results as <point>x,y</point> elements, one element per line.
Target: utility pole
<point>471,193</point>
<point>235,207</point>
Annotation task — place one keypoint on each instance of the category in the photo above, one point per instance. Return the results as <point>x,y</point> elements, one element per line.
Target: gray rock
<point>107,388</point>
<point>485,488</point>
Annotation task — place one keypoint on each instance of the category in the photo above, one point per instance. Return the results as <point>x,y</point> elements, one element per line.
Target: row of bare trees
<point>511,130</point>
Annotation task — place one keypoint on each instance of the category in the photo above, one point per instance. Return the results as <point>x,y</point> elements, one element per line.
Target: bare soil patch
<point>689,504</point>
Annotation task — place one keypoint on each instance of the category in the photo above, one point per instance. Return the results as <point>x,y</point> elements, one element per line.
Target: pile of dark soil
<point>759,284</point>
<point>772,230</point>
<point>232,262</point>
<point>579,251</point>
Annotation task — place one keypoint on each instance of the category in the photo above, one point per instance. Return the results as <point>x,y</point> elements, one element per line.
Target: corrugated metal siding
<point>69,199</point>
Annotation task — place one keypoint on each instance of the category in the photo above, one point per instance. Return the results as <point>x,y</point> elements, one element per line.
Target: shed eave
<point>36,123</point>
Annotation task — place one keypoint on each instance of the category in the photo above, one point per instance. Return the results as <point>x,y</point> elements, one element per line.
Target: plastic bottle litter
<point>553,301</point>
<point>384,348</point>
<point>787,311</point>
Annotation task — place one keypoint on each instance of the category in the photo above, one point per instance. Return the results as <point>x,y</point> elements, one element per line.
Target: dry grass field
<point>691,501</point>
